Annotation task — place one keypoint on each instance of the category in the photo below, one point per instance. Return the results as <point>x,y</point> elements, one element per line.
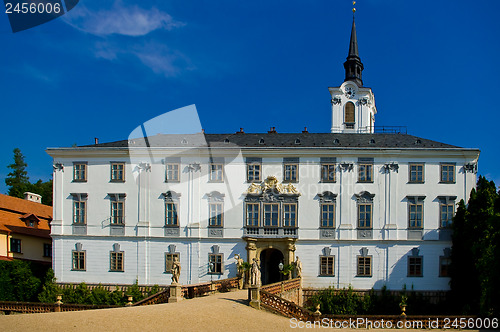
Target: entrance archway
<point>269,265</point>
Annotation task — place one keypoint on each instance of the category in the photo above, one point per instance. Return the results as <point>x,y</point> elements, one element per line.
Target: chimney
<point>272,130</point>
<point>32,197</point>
<point>96,140</point>
<point>202,130</point>
<point>240,132</point>
<point>305,130</point>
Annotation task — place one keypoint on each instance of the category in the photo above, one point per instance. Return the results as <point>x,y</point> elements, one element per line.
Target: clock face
<point>350,92</point>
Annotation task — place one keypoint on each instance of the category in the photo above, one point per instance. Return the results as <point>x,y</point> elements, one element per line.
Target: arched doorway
<point>269,265</point>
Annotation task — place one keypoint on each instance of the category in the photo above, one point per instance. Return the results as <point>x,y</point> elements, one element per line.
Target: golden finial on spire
<point>353,8</point>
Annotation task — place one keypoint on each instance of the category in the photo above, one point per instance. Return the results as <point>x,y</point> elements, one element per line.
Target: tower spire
<point>353,66</point>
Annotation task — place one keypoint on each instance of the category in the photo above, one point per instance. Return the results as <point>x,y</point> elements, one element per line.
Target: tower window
<point>349,113</point>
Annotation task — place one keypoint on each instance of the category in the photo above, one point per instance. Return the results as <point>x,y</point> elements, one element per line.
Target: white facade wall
<point>144,242</point>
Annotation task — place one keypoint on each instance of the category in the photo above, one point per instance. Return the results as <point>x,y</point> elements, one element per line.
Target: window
<point>414,266</point>
<point>117,216</point>
<point>271,214</point>
<point>15,245</point>
<point>117,172</point>
<point>415,215</point>
<point>47,250</point>
<point>364,266</point>
<point>365,173</point>
<point>289,215</point>
<point>79,212</point>
<point>79,260</point>
<point>169,260</point>
<point>417,173</point>
<point>290,172</point>
<point>216,173</point>
<point>328,215</point>
<point>215,214</point>
<point>328,172</point>
<point>253,214</point>
<point>444,266</point>
<point>171,218</point>
<point>116,261</point>
<point>446,215</point>
<point>80,172</point>
<point>253,172</point>
<point>172,172</point>
<point>448,173</point>
<point>349,114</point>
<point>327,265</point>
<point>365,215</point>
<point>215,265</point>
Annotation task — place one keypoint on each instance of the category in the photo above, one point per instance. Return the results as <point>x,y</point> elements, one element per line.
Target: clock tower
<point>353,106</point>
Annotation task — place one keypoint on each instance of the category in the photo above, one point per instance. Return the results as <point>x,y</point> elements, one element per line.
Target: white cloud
<point>128,21</point>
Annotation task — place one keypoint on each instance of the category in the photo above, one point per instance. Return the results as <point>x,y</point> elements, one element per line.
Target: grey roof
<point>277,140</point>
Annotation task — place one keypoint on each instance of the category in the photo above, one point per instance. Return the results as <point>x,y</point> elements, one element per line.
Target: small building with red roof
<point>25,229</point>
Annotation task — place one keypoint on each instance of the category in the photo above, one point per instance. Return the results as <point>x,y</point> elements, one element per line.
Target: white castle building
<point>358,207</point>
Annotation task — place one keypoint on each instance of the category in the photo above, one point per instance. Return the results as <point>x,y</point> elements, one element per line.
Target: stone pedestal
<point>175,293</point>
<point>254,296</point>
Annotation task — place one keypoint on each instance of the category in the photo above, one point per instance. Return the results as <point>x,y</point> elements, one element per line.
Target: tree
<point>475,266</point>
<point>19,183</point>
<point>17,179</point>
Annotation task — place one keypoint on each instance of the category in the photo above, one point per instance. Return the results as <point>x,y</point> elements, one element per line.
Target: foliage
<point>18,181</point>
<point>17,281</point>
<point>347,302</point>
<point>50,289</point>
<point>475,256</point>
<point>135,292</point>
<point>246,266</point>
<point>154,290</point>
<point>287,269</point>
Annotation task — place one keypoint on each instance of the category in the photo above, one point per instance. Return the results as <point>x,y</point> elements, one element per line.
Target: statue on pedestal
<point>298,267</point>
<point>255,280</point>
<point>176,270</point>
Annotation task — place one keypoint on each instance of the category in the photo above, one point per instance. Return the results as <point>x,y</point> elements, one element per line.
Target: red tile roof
<point>14,210</point>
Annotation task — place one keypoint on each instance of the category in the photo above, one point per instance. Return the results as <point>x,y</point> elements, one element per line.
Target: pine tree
<point>475,267</point>
<point>17,180</point>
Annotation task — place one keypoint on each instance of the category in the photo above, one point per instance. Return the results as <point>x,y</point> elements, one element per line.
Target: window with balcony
<point>117,213</point>
<point>171,218</point>
<point>271,214</point>
<point>289,215</point>
<point>252,214</point>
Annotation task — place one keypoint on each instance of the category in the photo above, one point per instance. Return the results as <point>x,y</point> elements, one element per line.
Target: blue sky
<point>108,66</point>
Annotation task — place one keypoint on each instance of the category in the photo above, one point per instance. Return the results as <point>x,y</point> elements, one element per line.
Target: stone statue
<point>176,270</point>
<point>255,280</point>
<point>254,189</point>
<point>298,267</point>
<point>239,265</point>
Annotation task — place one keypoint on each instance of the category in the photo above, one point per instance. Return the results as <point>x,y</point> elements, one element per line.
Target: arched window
<point>349,113</point>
